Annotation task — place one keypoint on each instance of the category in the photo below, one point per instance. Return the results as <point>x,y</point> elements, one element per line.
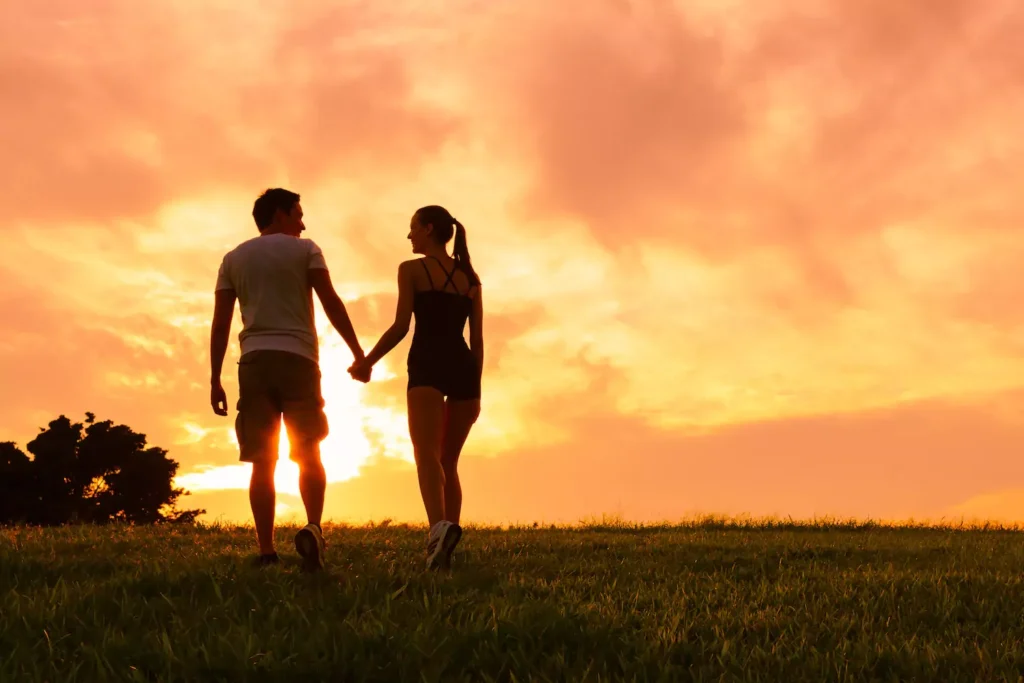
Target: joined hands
<point>361,370</point>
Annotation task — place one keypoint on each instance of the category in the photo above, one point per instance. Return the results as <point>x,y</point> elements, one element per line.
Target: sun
<point>358,431</point>
<point>347,446</point>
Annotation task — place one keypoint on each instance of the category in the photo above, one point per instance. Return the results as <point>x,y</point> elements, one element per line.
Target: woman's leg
<point>459,419</point>
<point>426,424</point>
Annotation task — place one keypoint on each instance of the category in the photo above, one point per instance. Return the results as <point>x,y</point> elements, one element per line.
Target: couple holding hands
<point>273,278</point>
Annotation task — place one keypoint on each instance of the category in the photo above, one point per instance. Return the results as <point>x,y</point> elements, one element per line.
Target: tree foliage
<point>91,472</point>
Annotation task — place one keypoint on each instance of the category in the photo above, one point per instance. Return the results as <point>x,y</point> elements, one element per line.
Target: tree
<point>15,483</point>
<point>96,472</point>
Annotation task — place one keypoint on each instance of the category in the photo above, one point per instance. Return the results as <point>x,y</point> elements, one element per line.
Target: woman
<point>443,396</point>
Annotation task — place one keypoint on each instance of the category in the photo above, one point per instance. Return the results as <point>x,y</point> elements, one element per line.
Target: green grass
<point>707,601</point>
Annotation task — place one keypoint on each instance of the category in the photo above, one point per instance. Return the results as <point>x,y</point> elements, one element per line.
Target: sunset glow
<point>737,257</point>
<point>356,430</point>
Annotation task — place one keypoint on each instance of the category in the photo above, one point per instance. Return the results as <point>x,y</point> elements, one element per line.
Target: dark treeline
<point>90,473</point>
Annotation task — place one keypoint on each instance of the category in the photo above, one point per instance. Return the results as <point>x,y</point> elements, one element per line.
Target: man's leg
<point>258,430</point>
<point>306,423</point>
<point>263,500</point>
<point>312,479</point>
<point>309,542</point>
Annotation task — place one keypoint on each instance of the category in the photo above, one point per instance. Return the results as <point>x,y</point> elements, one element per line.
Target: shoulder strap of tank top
<point>423,262</point>
<point>448,279</point>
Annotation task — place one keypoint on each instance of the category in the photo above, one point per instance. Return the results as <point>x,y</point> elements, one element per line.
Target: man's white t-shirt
<point>270,276</point>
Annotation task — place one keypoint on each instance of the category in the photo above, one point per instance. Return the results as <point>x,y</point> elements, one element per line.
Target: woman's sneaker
<point>441,542</point>
<point>309,542</point>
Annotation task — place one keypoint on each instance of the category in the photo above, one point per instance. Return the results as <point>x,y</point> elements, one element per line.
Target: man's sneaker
<point>441,542</point>
<point>267,559</point>
<point>309,542</point>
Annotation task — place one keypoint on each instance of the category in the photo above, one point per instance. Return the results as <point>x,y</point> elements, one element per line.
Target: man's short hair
<point>268,203</point>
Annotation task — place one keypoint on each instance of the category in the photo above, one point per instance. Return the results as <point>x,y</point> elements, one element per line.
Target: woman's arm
<point>476,330</point>
<point>403,316</point>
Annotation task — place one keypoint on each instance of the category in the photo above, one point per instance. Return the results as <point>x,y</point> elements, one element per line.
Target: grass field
<point>704,602</point>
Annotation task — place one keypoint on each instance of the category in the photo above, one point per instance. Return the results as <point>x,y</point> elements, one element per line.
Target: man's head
<point>278,211</point>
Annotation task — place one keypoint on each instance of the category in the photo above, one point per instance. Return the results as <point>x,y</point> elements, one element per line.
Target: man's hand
<point>218,399</point>
<point>361,371</point>
<point>220,330</point>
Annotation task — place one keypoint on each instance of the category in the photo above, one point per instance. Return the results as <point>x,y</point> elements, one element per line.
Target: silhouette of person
<point>273,276</point>
<point>443,395</point>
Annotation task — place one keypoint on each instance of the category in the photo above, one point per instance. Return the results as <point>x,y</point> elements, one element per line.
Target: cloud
<point>687,218</point>
<point>124,107</point>
<point>803,126</point>
<point>64,359</point>
<point>1006,506</point>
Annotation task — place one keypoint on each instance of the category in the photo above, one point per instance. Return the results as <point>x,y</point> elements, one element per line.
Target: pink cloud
<point>820,124</point>
<point>123,107</point>
<point>831,191</point>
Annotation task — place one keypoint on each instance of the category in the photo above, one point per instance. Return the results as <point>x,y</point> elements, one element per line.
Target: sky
<point>738,258</point>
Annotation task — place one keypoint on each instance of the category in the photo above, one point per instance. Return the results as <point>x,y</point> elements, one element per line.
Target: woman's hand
<point>361,370</point>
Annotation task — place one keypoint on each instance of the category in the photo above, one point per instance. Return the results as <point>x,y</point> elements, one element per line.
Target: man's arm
<point>220,333</point>
<point>335,309</point>
<point>403,316</point>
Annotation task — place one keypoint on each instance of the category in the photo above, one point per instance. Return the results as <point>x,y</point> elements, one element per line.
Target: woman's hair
<point>445,226</point>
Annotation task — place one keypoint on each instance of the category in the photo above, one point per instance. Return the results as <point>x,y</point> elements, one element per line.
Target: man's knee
<point>307,428</point>
<point>306,454</point>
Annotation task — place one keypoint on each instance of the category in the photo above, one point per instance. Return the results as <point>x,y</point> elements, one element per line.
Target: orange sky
<point>749,257</point>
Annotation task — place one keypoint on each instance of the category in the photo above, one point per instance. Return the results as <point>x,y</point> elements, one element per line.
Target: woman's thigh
<point>426,420</point>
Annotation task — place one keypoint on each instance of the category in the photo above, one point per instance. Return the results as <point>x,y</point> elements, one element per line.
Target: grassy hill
<point>706,602</point>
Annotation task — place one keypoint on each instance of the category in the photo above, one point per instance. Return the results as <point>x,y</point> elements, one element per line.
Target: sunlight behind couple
<point>358,432</point>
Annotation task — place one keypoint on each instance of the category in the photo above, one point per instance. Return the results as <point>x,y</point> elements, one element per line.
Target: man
<point>273,277</point>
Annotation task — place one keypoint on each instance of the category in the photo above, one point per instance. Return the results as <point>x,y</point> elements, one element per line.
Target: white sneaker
<point>441,542</point>
<point>309,542</point>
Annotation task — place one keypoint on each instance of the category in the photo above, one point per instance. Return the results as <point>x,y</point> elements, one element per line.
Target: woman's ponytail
<point>460,251</point>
